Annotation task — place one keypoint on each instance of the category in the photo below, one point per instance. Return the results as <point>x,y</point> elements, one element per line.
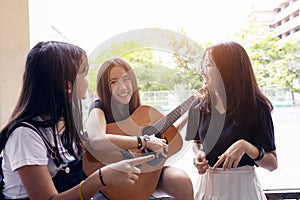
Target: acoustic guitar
<point>145,120</point>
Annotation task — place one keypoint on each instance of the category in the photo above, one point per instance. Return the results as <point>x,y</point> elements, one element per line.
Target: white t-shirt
<point>26,147</point>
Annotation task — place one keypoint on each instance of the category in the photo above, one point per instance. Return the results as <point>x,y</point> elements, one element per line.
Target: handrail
<point>290,193</point>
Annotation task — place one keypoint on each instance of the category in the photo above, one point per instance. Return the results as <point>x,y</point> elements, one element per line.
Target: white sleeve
<point>25,147</point>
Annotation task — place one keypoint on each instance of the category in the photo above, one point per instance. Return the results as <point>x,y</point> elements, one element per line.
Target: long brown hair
<point>242,91</point>
<point>103,89</point>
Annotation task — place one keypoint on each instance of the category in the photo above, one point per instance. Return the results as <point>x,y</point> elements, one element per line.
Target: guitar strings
<point>162,125</point>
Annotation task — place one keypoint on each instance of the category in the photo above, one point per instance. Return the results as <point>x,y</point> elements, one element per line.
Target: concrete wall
<point>14,46</point>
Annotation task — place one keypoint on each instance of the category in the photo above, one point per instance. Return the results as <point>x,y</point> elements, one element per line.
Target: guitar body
<point>143,116</point>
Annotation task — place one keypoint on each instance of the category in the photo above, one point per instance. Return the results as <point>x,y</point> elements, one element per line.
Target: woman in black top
<point>119,98</point>
<point>231,126</point>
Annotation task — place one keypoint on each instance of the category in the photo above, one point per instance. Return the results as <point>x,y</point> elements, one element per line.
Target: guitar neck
<point>167,121</point>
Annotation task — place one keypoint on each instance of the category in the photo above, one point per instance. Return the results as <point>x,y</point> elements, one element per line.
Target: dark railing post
<point>275,194</point>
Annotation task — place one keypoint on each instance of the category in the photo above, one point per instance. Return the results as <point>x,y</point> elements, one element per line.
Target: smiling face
<point>120,85</point>
<point>209,72</point>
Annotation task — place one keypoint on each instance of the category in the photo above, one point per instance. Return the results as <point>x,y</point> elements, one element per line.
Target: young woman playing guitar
<point>118,101</point>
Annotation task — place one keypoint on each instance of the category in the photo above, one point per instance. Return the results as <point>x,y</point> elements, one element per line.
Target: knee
<point>183,178</point>
<point>174,180</point>
<point>177,177</point>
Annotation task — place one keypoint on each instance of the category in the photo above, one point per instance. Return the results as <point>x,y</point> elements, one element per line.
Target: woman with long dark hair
<point>118,98</point>
<point>42,155</point>
<point>231,127</point>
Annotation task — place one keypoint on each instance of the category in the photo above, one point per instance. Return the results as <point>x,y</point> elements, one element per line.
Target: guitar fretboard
<point>162,125</point>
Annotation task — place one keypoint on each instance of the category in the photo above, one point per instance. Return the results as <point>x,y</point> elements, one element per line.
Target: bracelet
<point>101,177</point>
<point>80,190</point>
<point>147,140</point>
<point>140,143</point>
<point>261,154</point>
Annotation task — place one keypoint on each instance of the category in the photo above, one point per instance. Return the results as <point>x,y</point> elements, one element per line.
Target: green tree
<point>276,63</point>
<point>101,54</point>
<point>174,60</point>
<point>187,56</point>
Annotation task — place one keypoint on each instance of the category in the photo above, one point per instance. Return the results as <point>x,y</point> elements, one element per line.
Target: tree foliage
<point>276,63</point>
<point>155,68</point>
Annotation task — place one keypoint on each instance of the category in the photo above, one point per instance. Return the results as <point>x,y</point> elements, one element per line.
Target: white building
<point>283,20</point>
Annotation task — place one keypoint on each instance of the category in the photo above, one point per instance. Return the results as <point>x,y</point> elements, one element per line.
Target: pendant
<point>67,170</point>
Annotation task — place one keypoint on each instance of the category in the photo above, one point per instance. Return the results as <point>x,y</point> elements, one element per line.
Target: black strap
<point>52,150</point>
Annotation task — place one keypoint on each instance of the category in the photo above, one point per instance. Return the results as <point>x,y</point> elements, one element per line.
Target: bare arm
<point>200,161</point>
<point>232,156</point>
<point>121,173</point>
<point>269,160</point>
<point>36,177</point>
<point>196,146</point>
<point>98,140</point>
<point>179,124</point>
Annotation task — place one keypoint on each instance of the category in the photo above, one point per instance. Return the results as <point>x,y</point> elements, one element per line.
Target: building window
<point>278,24</point>
<point>295,14</point>
<point>284,5</point>
<point>277,10</point>
<point>287,33</point>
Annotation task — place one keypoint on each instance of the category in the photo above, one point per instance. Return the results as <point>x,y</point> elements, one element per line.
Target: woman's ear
<point>69,87</point>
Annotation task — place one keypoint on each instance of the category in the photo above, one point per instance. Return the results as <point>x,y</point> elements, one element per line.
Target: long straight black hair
<point>242,91</point>
<point>50,68</point>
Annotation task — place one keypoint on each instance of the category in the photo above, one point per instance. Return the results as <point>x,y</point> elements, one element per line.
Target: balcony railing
<point>283,194</point>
